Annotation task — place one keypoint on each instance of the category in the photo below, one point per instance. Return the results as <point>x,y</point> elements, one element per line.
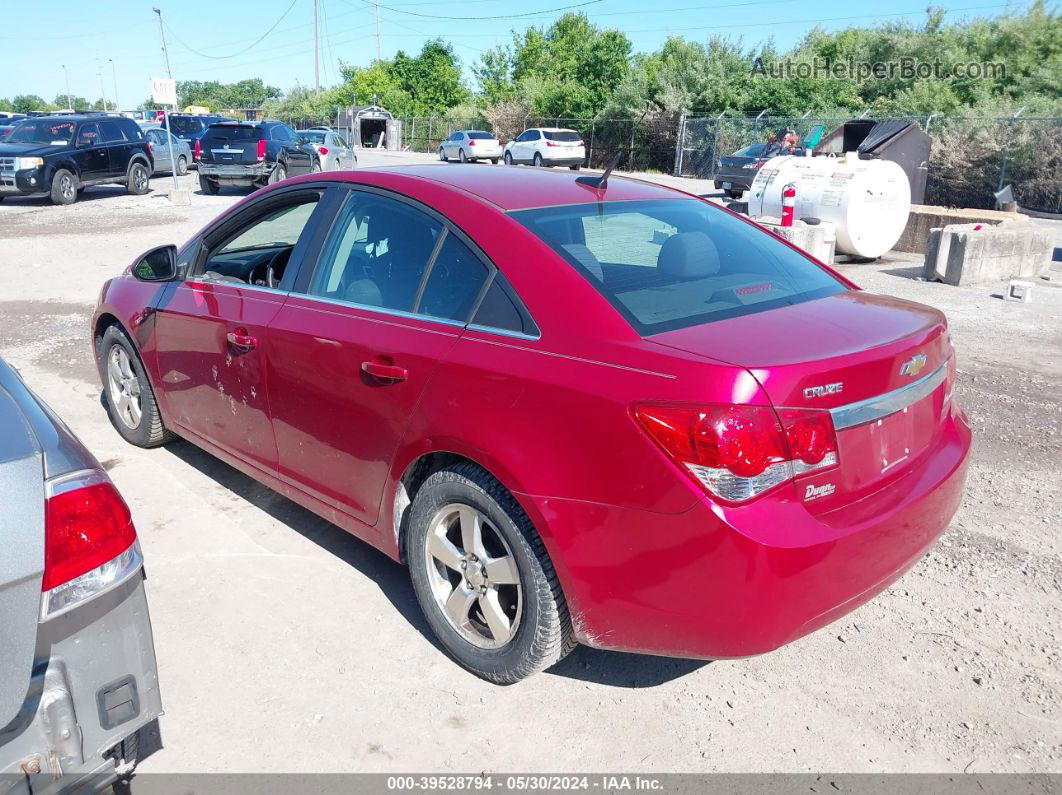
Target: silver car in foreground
<point>168,160</point>
<point>332,149</point>
<point>78,684</point>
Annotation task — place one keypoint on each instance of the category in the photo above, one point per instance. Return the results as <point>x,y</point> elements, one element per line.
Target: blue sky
<point>88,37</point>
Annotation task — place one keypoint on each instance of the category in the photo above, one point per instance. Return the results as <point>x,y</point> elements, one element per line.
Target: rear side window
<point>111,131</point>
<point>501,309</point>
<point>453,285</point>
<point>675,263</point>
<point>562,135</point>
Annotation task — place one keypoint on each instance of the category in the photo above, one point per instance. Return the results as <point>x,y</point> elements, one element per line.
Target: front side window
<point>378,253</point>
<point>675,263</point>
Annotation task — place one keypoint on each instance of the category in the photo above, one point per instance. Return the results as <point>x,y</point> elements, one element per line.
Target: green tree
<point>27,103</point>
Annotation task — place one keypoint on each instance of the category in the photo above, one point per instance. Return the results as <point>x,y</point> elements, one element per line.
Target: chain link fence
<point>971,158</point>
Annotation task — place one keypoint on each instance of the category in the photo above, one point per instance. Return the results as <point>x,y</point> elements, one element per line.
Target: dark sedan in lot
<point>736,172</point>
<point>610,414</point>
<point>251,154</point>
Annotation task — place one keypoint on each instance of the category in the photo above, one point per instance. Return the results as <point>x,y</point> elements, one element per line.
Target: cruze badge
<point>914,365</point>
<point>822,391</point>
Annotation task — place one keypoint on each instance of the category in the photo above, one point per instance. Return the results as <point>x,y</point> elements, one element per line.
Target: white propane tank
<point>867,201</point>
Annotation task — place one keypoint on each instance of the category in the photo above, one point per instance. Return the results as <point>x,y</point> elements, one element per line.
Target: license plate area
<point>892,438</point>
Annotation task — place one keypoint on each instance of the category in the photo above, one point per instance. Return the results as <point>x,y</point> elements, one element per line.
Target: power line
<point>478,18</point>
<point>240,52</point>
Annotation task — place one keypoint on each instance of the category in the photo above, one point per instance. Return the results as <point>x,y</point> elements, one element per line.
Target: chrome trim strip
<point>876,408</point>
<point>519,335</point>
<point>380,310</point>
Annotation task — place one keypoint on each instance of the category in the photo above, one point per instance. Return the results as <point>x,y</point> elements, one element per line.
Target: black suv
<point>61,155</point>
<point>250,154</point>
<point>189,126</point>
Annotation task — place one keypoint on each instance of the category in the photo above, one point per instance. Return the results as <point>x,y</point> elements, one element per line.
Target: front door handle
<point>385,372</point>
<point>241,339</point>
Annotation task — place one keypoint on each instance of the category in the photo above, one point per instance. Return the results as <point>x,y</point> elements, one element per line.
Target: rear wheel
<point>131,404</point>
<point>483,579</point>
<point>278,174</point>
<point>494,161</point>
<point>182,166</point>
<point>575,168</point>
<point>336,166</point>
<point>64,187</point>
<point>207,185</point>
<point>461,156</point>
<point>538,159</point>
<point>316,167</point>
<point>137,178</point>
<point>733,194</point>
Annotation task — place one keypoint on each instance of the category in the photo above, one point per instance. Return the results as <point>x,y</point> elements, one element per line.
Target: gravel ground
<point>286,645</point>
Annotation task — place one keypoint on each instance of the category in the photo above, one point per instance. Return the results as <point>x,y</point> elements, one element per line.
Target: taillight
<point>321,149</point>
<point>552,143</point>
<point>89,541</point>
<point>472,142</point>
<point>151,149</point>
<point>739,452</point>
<point>261,150</point>
<point>198,150</point>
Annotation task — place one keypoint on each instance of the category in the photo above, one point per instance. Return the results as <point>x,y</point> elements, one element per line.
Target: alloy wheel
<point>66,187</point>
<point>123,388</point>
<point>140,177</point>
<point>473,576</point>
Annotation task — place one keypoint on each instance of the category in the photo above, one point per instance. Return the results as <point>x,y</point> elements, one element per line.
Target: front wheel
<point>131,404</point>
<point>64,187</point>
<point>508,158</point>
<point>442,154</point>
<point>137,179</point>
<point>483,578</point>
<point>182,166</point>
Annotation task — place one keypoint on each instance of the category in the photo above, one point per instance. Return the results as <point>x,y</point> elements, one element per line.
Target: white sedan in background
<point>332,149</point>
<point>470,146</point>
<point>547,146</point>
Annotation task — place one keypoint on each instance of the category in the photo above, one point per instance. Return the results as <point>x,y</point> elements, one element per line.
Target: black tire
<point>575,168</point>
<point>182,166</point>
<point>338,166</point>
<point>149,432</point>
<point>64,187</point>
<point>442,155</point>
<point>544,633</point>
<point>494,161</point>
<point>508,158</point>
<point>208,186</point>
<point>461,156</point>
<point>138,178</point>
<point>315,167</point>
<point>538,160</point>
<point>278,174</point>
<point>733,194</point>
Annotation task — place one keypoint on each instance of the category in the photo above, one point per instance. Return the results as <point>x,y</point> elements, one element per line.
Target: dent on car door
<point>354,347</point>
<point>211,328</point>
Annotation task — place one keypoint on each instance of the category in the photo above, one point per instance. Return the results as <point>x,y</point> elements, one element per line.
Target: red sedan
<point>618,416</point>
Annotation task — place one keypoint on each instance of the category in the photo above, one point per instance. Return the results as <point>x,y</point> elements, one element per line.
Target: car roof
<point>514,188</point>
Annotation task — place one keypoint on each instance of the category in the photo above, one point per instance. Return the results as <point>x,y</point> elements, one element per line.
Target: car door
<point>211,327</point>
<point>93,157</point>
<point>297,154</point>
<point>119,148</point>
<point>353,348</point>
<point>162,151</point>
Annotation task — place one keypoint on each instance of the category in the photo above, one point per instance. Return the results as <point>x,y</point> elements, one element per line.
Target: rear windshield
<point>42,132</point>
<point>561,135</point>
<point>313,136</point>
<point>185,125</point>
<point>234,132</point>
<point>478,135</point>
<point>674,263</point>
<point>753,150</point>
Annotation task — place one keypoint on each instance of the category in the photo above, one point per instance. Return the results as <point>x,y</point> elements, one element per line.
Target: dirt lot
<point>286,645</point>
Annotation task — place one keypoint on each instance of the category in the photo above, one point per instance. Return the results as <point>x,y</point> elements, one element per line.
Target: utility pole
<point>114,76</point>
<point>165,51</point>
<point>316,53</point>
<point>69,98</point>
<point>379,57</point>
<point>103,92</point>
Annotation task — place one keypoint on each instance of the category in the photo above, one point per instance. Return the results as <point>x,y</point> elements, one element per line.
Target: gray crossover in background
<point>78,680</point>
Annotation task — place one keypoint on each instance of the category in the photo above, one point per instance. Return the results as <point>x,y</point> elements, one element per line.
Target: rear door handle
<point>385,372</point>
<point>241,339</point>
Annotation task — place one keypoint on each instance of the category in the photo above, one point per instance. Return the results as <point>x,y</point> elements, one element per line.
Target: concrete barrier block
<point>979,254</point>
<point>924,218</point>
<point>818,240</point>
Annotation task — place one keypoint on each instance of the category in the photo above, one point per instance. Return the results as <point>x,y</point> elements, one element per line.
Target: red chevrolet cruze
<point>619,416</point>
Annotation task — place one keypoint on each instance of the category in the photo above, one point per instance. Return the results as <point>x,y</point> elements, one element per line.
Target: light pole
<point>166,116</point>
<point>114,76</point>
<point>69,99</point>
<point>165,50</point>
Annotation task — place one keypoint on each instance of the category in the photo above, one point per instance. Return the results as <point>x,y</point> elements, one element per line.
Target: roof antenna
<point>602,183</point>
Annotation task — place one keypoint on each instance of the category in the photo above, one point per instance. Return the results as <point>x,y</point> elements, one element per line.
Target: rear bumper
<point>719,582</point>
<point>236,174</point>
<point>563,161</point>
<point>94,684</point>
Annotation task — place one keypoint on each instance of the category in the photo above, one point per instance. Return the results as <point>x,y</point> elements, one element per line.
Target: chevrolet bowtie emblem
<point>914,365</point>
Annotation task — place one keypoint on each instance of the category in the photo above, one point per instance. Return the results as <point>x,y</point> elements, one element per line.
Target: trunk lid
<point>22,564</point>
<point>879,364</point>
<point>230,144</point>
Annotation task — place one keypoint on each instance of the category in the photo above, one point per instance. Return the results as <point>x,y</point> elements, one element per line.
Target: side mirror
<point>157,265</point>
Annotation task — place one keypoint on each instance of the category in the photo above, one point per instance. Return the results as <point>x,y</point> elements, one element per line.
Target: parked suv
<point>187,126</point>
<point>251,154</point>
<point>79,687</point>
<point>546,146</point>
<point>62,155</point>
